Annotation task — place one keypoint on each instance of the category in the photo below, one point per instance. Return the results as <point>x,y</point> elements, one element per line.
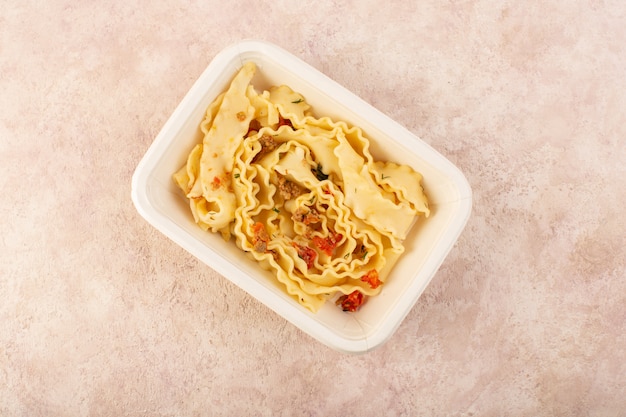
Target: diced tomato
<point>254,126</point>
<point>305,253</point>
<point>352,301</point>
<point>371,277</point>
<point>216,183</point>
<point>327,244</point>
<point>311,218</point>
<point>258,227</point>
<point>283,122</point>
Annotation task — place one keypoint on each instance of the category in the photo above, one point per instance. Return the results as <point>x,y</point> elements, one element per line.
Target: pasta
<point>300,195</point>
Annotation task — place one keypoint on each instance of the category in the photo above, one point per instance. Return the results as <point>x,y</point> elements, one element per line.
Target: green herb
<point>236,175</point>
<point>382,176</point>
<point>364,255</point>
<point>312,200</point>
<point>275,210</point>
<point>319,174</point>
<point>297,101</point>
<point>346,256</point>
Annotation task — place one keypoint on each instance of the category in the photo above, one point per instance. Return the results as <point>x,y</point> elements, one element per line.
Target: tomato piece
<point>327,244</point>
<point>307,254</point>
<point>371,277</point>
<point>311,218</point>
<point>216,183</point>
<point>259,231</point>
<point>254,126</point>
<point>352,301</point>
<point>283,122</point>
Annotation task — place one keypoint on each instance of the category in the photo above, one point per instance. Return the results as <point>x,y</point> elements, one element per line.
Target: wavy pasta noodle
<point>301,195</point>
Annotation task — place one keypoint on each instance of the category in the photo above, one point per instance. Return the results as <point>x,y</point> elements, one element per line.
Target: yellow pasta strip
<point>302,196</point>
<point>219,144</point>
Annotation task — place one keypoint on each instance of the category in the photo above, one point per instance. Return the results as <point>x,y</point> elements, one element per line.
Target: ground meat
<point>306,216</point>
<point>259,237</point>
<point>268,144</point>
<point>288,189</point>
<point>299,214</point>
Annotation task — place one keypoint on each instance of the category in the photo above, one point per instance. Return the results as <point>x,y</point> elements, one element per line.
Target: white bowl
<point>158,200</point>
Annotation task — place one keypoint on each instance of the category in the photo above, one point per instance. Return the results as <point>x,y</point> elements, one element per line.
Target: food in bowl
<point>301,195</point>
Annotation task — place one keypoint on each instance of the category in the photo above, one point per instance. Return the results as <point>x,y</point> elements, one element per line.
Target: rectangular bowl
<point>161,203</point>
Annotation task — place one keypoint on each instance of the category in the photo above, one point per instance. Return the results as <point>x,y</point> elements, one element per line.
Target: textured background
<point>102,315</point>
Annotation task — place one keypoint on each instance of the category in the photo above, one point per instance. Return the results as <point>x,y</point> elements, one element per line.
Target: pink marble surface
<point>102,315</point>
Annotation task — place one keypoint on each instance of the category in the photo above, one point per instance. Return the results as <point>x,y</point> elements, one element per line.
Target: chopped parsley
<point>297,101</point>
<point>275,210</point>
<point>383,177</point>
<point>319,174</point>
<point>236,175</point>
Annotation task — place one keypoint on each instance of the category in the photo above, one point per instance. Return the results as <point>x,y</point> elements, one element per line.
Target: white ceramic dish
<point>158,200</point>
